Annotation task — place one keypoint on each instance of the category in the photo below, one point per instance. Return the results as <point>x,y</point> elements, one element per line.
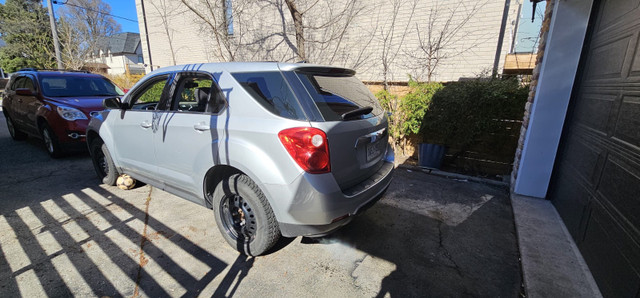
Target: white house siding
<point>118,62</point>
<point>259,27</point>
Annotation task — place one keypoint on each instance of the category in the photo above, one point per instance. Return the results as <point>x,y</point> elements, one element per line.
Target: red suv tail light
<point>308,147</point>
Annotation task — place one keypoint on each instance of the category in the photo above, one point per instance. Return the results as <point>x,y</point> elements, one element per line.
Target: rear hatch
<point>353,120</point>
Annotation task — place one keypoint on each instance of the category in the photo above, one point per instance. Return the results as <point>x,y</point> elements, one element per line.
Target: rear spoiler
<point>331,71</point>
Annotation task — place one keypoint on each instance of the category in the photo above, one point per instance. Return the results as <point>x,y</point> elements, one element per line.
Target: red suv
<point>54,105</point>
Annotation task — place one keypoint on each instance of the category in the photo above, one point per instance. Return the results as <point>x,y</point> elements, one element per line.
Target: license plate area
<point>374,150</point>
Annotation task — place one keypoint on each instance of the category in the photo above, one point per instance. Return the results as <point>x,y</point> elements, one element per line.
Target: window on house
<point>140,59</point>
<point>228,15</point>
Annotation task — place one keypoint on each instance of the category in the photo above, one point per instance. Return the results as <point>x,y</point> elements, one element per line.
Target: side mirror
<point>112,103</point>
<point>25,92</point>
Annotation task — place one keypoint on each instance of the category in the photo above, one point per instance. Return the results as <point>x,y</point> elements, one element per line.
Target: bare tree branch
<point>214,11</point>
<point>166,12</point>
<point>445,36</point>
<point>84,24</point>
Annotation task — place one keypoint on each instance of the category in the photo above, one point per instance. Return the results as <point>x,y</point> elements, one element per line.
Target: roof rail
<point>51,69</point>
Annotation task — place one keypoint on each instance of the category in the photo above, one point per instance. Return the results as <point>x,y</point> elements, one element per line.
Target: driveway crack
<point>143,260</point>
<point>446,251</point>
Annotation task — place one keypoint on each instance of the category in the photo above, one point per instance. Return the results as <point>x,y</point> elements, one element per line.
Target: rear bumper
<point>294,230</point>
<point>314,205</point>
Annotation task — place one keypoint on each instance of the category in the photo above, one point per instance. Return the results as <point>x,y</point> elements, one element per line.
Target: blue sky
<point>528,32</point>
<point>121,8</point>
<point>126,9</point>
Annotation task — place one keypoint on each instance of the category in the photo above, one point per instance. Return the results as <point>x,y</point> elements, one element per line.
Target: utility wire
<point>66,2</point>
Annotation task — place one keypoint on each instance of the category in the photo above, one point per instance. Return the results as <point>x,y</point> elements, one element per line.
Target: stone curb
<point>454,175</point>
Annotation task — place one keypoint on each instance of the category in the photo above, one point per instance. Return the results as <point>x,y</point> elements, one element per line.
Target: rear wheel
<point>50,141</point>
<point>244,215</point>
<point>13,131</point>
<point>102,163</point>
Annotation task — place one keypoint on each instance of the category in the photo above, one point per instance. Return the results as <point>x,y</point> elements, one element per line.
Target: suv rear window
<point>68,86</point>
<point>335,96</point>
<point>272,92</point>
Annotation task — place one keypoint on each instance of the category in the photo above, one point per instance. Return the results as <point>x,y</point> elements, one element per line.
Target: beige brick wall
<point>264,32</point>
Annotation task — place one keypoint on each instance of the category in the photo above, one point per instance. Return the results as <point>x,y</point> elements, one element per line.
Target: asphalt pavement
<point>63,233</point>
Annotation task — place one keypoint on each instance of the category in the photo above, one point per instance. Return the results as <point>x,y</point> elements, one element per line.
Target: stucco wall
<point>263,30</point>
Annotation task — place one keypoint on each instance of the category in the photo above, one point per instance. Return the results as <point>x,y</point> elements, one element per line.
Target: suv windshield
<point>340,97</point>
<point>70,86</point>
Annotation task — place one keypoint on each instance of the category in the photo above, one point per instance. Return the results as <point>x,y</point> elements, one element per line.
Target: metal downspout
<point>503,26</point>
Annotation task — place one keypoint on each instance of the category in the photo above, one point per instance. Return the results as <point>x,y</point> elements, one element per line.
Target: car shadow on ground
<point>446,238</point>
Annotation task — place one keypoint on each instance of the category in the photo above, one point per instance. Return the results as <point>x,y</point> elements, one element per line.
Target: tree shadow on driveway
<point>93,239</point>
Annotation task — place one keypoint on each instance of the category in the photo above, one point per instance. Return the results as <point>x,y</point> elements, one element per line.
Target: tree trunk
<point>297,21</point>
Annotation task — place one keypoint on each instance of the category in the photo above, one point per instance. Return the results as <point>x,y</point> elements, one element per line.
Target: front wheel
<point>244,215</point>
<point>50,141</point>
<point>102,163</point>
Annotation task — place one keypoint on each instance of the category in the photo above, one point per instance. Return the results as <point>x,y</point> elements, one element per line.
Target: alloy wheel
<point>48,142</point>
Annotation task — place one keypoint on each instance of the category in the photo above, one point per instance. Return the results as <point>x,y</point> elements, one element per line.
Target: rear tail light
<point>308,147</point>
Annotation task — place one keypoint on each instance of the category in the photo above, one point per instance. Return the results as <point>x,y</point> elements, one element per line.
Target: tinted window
<point>18,83</point>
<point>67,86</point>
<point>28,83</point>
<point>272,92</point>
<point>337,95</point>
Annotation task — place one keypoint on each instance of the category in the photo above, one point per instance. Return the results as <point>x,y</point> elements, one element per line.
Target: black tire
<point>13,130</point>
<point>244,215</point>
<point>103,163</point>
<point>50,141</point>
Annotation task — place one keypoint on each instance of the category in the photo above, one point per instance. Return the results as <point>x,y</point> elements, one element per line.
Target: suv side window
<point>16,84</point>
<point>28,83</point>
<point>150,94</point>
<point>197,93</point>
<point>271,91</point>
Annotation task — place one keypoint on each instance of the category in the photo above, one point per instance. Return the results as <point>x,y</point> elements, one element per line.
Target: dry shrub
<point>125,81</point>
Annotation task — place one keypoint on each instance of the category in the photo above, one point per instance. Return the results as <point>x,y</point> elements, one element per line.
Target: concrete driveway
<point>62,233</point>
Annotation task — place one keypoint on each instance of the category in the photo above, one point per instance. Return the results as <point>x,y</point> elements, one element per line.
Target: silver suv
<point>274,149</point>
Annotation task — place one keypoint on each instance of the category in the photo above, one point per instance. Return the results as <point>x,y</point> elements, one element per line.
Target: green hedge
<point>407,112</point>
<point>476,118</point>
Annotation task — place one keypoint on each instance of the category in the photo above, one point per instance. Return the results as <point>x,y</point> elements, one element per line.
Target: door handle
<point>201,127</point>
<point>145,124</point>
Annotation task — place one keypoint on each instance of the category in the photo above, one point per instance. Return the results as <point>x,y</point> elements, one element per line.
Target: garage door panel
<point>610,264</point>
<point>571,203</point>
<point>607,61</point>
<point>613,11</point>
<point>583,159</point>
<point>628,124</point>
<point>618,235</point>
<point>620,188</point>
<point>595,110</point>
